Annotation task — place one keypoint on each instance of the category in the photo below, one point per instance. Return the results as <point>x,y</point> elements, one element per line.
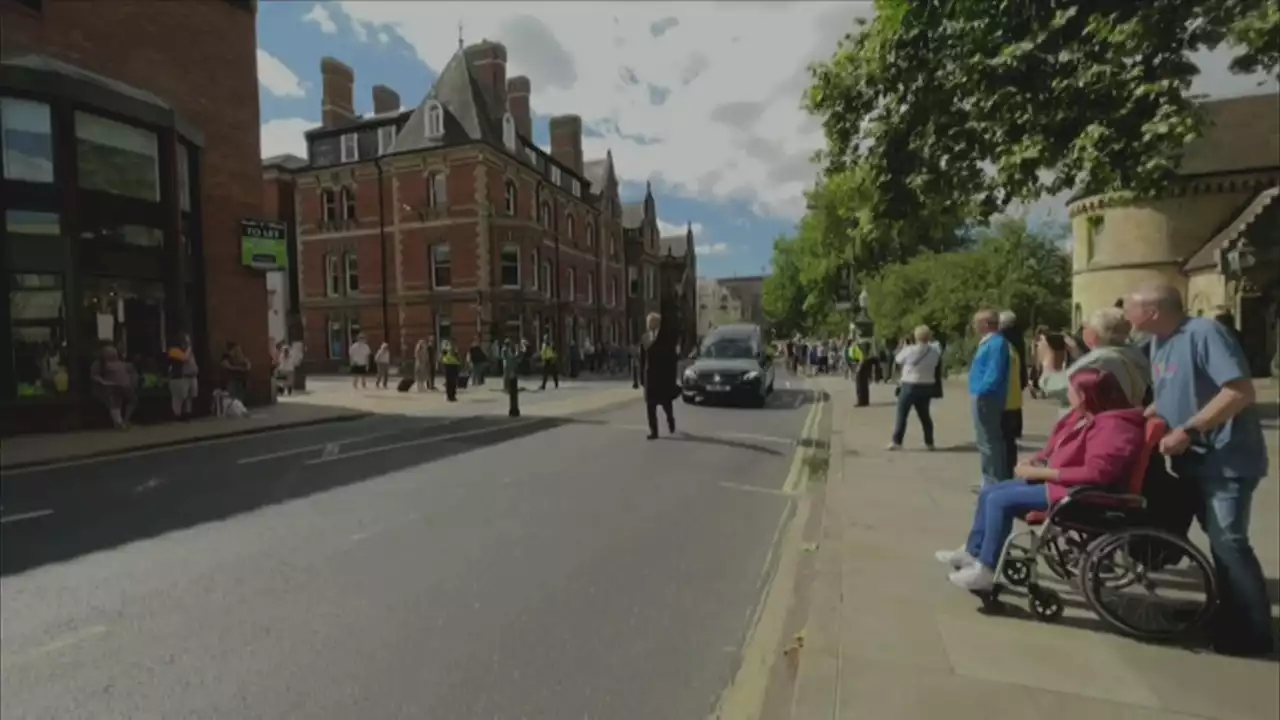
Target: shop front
<point>101,241</point>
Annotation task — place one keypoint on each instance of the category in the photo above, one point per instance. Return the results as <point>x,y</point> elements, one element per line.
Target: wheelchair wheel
<point>1045,603</point>
<point>1149,584</point>
<point>1016,572</point>
<point>1063,554</point>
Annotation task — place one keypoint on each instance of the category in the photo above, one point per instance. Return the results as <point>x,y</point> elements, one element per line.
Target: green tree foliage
<point>1012,268</point>
<point>948,107</point>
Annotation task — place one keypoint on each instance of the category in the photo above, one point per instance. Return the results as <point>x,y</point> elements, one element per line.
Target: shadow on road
<point>117,501</point>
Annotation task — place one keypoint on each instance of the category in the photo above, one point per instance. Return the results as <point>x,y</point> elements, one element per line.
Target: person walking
<point>988,389</point>
<point>452,369</point>
<point>658,371</point>
<point>358,356</point>
<point>550,366</point>
<point>1204,391</point>
<point>423,364</point>
<point>382,361</point>
<point>479,363</point>
<point>919,363</point>
<point>511,376</point>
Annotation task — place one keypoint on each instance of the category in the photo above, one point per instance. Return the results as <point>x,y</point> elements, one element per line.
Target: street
<point>399,567</point>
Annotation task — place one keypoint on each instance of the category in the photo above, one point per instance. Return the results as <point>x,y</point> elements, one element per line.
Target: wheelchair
<point>1108,542</point>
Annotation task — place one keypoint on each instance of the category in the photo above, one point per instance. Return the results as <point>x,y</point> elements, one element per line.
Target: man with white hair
<point>1106,333</point>
<point>1204,391</point>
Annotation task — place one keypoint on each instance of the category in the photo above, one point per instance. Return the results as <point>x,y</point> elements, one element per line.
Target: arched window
<point>509,132</point>
<point>591,236</point>
<point>544,214</point>
<point>511,198</point>
<point>435,120</point>
<point>436,197</point>
<point>569,227</point>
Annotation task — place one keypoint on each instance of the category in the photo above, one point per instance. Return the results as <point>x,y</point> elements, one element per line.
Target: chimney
<point>488,61</point>
<point>566,141</point>
<point>518,91</point>
<point>385,100</point>
<point>338,80</point>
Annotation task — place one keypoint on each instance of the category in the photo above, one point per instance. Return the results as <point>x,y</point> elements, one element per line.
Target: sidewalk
<point>888,638</point>
<point>24,451</point>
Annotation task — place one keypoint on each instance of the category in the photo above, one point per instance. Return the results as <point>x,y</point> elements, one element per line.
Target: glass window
<point>333,275</point>
<point>511,198</point>
<point>350,148</point>
<point>117,158</point>
<point>509,131</point>
<point>134,235</point>
<point>130,314</point>
<point>569,227</point>
<point>633,281</point>
<point>27,222</point>
<point>435,120</point>
<point>37,321</point>
<point>352,273</point>
<point>536,263</point>
<point>386,138</point>
<point>328,205</point>
<point>27,145</point>
<point>591,287</point>
<point>184,177</point>
<point>441,267</point>
<point>591,235</point>
<point>349,203</point>
<point>444,329</point>
<point>437,196</point>
<point>337,346</point>
<point>511,266</point>
<point>353,331</point>
<point>577,187</point>
<point>571,280</point>
<point>555,175</point>
<point>547,285</point>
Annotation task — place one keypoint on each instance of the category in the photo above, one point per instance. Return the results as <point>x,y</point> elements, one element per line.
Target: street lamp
<point>863,323</point>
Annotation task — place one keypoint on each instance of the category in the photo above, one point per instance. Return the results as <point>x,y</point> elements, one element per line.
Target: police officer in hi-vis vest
<point>550,364</point>
<point>452,368</point>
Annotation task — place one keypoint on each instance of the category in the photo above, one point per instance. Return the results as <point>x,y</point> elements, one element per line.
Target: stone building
<point>749,290</point>
<point>716,306</point>
<point>446,221</point>
<point>128,166</point>
<point>1215,234</point>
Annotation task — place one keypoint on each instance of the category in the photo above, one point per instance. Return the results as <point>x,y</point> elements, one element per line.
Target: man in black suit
<point>658,368</point>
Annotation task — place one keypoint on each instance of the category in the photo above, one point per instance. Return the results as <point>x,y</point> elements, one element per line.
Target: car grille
<point>726,378</point>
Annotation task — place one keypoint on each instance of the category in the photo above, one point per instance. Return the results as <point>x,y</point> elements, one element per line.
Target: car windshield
<point>728,348</point>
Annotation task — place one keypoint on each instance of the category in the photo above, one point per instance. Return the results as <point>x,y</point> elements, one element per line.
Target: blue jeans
<point>1245,610</point>
<point>989,437</point>
<point>914,396</point>
<point>998,505</point>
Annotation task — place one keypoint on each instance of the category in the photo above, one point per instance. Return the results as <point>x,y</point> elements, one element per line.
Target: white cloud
<point>277,78</point>
<point>284,136</point>
<point>712,249</point>
<point>665,228</point>
<point>320,15</point>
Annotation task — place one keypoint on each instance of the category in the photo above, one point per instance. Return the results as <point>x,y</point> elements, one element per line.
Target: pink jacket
<point>1093,450</point>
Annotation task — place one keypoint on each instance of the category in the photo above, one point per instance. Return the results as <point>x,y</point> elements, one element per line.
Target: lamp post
<point>863,323</point>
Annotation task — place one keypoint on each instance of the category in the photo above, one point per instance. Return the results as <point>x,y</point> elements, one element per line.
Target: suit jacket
<point>658,359</point>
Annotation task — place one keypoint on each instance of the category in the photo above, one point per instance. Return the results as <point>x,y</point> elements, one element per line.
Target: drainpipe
<point>382,256</point>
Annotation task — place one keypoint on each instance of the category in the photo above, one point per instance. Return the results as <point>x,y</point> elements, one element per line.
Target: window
<point>555,175</point>
<point>437,196</point>
<point>511,266</point>
<point>536,264</point>
<point>547,285</point>
<point>591,287</point>
<point>336,342</point>
<point>348,203</point>
<point>533,156</point>
<point>352,272</point>
<point>612,297</point>
<point>576,186</point>
<point>511,197</point>
<point>633,282</point>
<point>26,222</point>
<point>37,321</point>
<point>138,236</point>
<point>569,227</point>
<point>350,151</point>
<point>333,275</point>
<point>386,138</point>
<point>130,314</point>
<point>544,214</point>
<point>441,267</point>
<point>27,140</point>
<point>509,131</point>
<point>444,329</point>
<point>328,205</point>
<point>184,177</point>
<point>649,282</point>
<point>435,120</point>
<point>571,278</point>
<point>1096,224</point>
<point>591,236</point>
<point>117,158</point>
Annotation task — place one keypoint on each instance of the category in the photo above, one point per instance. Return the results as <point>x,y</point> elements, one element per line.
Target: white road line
<point>423,441</point>
<point>25,516</point>
<point>324,447</point>
<point>750,488</point>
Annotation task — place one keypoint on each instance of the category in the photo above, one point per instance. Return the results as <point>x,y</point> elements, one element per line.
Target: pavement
<point>454,564</point>
<point>875,631</point>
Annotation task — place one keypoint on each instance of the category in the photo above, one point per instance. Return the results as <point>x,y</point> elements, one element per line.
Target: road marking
<point>423,441</point>
<point>325,447</point>
<point>752,488</point>
<point>151,484</point>
<point>722,436</point>
<point>797,463</point>
<point>73,638</point>
<point>25,516</point>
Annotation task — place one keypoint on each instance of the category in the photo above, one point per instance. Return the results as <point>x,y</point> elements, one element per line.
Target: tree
<point>948,106</point>
<point>1012,268</point>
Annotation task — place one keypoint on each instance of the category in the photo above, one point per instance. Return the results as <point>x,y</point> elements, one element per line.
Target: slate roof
<point>633,215</point>
<point>465,115</point>
<point>1207,255</point>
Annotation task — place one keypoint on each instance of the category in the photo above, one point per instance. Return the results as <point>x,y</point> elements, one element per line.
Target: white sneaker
<point>957,559</point>
<point>974,578</point>
<point>893,446</point>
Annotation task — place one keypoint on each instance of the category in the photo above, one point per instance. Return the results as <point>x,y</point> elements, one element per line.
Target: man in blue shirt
<point>988,387</point>
<point>1203,390</point>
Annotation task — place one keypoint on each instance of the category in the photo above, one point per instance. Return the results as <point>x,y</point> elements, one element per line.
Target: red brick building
<point>447,222</point>
<point>131,153</point>
<point>658,264</point>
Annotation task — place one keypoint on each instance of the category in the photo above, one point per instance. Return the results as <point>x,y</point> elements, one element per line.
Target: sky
<point>700,99</point>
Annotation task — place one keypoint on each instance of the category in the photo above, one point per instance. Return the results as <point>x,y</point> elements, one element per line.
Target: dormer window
<point>350,148</point>
<point>386,138</point>
<point>555,175</point>
<point>435,120</point>
<point>509,132</point>
<point>576,186</point>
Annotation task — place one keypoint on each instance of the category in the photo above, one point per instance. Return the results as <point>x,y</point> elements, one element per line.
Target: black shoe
<point>651,436</point>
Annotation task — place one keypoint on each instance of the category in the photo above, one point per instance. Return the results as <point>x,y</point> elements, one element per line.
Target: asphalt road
<point>394,567</point>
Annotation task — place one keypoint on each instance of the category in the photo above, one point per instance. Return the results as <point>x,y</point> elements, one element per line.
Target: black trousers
<point>1011,429</point>
<point>862,384</point>
<point>451,382</point>
<point>550,369</point>
<point>651,410</point>
<point>513,396</point>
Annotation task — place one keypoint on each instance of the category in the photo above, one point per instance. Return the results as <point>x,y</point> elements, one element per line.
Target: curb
<point>166,444</point>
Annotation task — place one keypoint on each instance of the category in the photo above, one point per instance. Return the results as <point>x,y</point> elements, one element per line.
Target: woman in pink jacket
<point>1096,443</point>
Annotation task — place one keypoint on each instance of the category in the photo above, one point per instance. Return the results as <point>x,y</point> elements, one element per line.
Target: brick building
<point>446,221</point>
<point>678,270</point>
<point>130,155</point>
<point>657,265</point>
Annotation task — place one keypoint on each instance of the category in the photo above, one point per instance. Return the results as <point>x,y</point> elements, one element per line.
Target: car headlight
<point>753,375</point>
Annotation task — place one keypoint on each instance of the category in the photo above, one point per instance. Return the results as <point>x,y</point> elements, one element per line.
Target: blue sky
<point>701,99</point>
